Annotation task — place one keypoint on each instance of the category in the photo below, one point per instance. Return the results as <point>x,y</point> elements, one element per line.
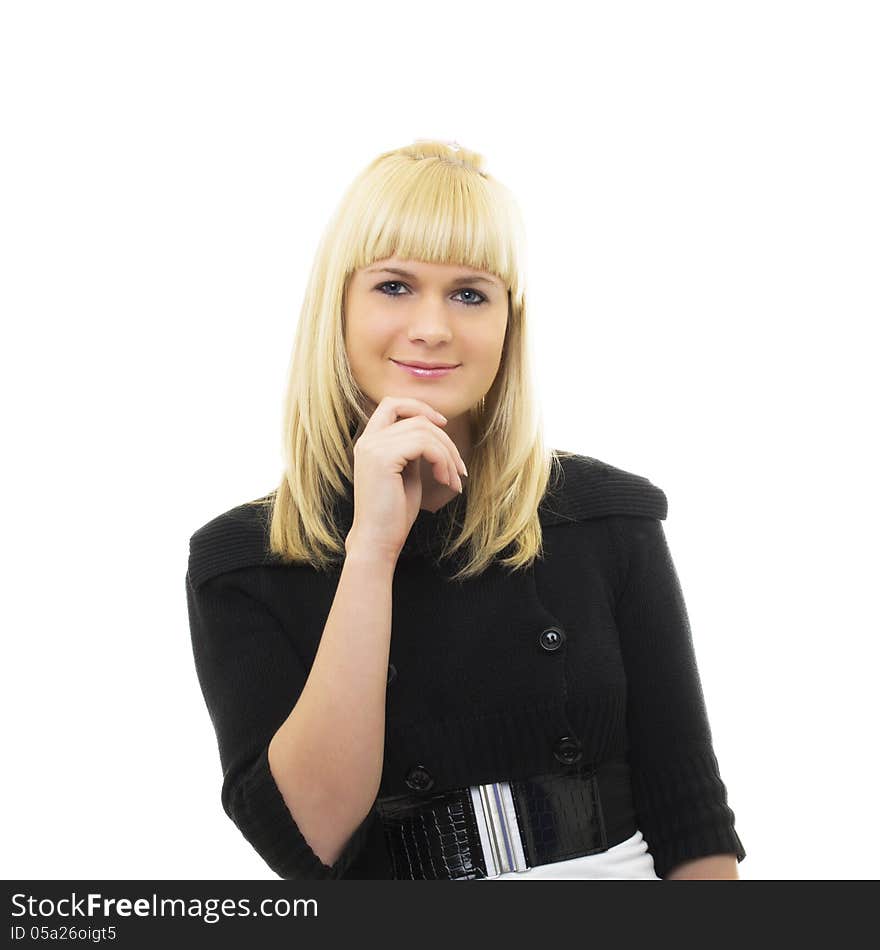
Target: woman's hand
<point>387,471</point>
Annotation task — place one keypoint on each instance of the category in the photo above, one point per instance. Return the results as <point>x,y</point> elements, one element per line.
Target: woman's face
<point>399,310</point>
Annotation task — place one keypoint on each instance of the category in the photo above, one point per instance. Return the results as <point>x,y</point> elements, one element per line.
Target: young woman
<point>437,650</point>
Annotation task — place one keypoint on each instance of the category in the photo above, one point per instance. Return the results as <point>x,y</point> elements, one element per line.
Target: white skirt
<point>628,860</point>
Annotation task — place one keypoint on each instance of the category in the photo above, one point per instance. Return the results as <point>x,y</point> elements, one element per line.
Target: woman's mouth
<point>426,373</point>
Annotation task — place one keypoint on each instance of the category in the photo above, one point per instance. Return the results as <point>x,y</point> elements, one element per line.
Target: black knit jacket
<point>474,698</point>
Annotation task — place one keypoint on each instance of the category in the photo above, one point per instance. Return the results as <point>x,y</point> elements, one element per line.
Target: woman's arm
<point>679,795</point>
<point>715,867</point>
<point>327,756</point>
<point>272,755</point>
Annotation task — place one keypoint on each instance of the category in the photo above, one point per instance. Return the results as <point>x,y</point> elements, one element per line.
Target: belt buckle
<point>498,826</point>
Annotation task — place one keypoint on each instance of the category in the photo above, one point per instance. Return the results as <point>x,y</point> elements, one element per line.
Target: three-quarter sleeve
<point>251,678</point>
<point>680,798</point>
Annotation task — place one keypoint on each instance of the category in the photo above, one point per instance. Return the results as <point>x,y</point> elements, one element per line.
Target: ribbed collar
<point>580,488</point>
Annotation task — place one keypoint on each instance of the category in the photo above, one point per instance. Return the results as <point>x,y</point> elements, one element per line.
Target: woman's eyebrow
<point>467,279</point>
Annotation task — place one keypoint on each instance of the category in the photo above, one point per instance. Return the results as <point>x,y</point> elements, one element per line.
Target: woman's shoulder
<point>236,538</point>
<point>583,487</point>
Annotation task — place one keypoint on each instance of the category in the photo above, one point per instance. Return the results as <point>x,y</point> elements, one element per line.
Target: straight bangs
<point>437,211</point>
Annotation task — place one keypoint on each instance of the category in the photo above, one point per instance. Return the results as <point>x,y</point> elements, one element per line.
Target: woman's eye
<point>390,283</point>
<point>468,303</point>
<point>473,303</point>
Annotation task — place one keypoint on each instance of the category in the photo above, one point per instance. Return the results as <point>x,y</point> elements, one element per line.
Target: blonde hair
<point>430,201</point>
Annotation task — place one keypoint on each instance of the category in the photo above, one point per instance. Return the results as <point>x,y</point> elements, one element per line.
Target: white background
<point>700,189</point>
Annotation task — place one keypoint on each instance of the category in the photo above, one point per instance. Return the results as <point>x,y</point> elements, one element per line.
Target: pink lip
<point>426,373</point>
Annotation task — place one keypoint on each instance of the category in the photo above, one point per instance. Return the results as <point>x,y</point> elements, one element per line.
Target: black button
<point>551,639</point>
<point>419,778</point>
<point>568,750</point>
<point>392,673</point>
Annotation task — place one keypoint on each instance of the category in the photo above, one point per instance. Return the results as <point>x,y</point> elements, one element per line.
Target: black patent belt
<point>485,830</point>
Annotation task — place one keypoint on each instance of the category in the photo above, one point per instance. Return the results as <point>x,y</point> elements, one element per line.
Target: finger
<point>449,451</point>
<point>391,408</point>
<point>453,479</point>
<point>422,439</point>
<point>457,460</point>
